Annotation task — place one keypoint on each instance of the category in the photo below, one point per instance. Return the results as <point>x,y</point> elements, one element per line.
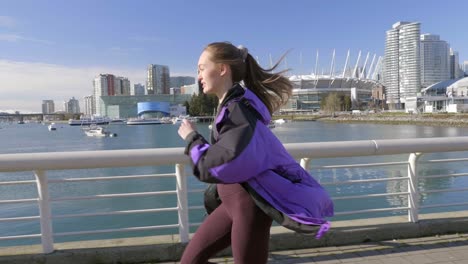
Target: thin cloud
<point>124,51</point>
<point>7,22</point>
<point>25,84</point>
<point>148,39</point>
<point>18,38</point>
<point>10,37</point>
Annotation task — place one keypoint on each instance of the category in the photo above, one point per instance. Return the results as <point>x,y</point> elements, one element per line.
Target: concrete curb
<point>166,248</point>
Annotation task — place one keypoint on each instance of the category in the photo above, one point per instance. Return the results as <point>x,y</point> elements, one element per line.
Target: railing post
<point>413,198</point>
<point>182,203</point>
<point>305,163</point>
<point>44,211</point>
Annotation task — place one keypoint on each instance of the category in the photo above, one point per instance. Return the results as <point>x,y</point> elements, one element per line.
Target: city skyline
<point>54,50</point>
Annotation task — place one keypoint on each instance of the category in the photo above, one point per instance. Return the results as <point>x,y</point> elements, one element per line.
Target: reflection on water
<point>394,186</point>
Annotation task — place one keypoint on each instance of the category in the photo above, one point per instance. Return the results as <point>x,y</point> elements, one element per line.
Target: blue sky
<point>52,49</point>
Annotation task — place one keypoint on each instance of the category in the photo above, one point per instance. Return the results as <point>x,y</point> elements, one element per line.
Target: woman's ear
<point>224,68</point>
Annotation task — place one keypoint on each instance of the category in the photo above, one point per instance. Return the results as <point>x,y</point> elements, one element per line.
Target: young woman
<point>246,160</point>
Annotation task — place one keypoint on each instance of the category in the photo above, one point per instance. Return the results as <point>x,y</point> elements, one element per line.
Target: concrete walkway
<point>376,240</point>
<point>446,249</point>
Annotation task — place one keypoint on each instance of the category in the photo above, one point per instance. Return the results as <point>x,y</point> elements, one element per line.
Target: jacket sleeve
<point>235,156</point>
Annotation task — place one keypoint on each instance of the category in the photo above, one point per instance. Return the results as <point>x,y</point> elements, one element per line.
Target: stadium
<point>357,82</point>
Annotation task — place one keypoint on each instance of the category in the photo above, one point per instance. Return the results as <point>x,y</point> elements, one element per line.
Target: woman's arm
<point>236,156</point>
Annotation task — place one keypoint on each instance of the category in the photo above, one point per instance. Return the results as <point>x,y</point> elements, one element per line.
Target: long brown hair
<point>272,88</point>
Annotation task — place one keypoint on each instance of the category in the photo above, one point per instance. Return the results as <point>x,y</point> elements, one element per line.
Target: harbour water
<point>32,137</point>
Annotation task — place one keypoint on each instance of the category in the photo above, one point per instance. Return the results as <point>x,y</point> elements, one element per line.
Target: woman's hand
<point>186,128</point>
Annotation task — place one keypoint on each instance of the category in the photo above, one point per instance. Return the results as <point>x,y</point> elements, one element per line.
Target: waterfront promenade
<point>396,118</point>
<point>436,238</point>
<point>446,249</point>
<point>410,219</point>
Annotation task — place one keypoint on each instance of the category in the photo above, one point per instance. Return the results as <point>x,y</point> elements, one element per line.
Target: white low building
<point>447,96</point>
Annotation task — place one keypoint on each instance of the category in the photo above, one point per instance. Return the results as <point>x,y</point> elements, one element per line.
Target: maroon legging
<point>237,222</point>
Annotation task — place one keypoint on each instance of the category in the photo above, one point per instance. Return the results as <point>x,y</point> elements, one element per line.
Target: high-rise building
<point>402,64</point>
<point>122,86</point>
<point>435,60</point>
<point>104,85</point>
<point>158,79</point>
<point>109,85</point>
<point>454,65</point>
<point>90,107</point>
<point>179,81</point>
<point>72,106</point>
<point>465,67</point>
<point>138,89</point>
<point>48,106</point>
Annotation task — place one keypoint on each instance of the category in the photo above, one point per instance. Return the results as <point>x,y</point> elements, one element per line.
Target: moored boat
<point>87,121</point>
<point>52,127</point>
<point>146,121</point>
<point>98,131</point>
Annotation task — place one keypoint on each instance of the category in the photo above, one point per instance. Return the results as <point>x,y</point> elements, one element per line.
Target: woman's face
<point>209,74</point>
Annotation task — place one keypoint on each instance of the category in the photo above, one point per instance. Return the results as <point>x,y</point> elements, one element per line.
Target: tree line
<point>205,105</point>
<point>335,102</point>
<point>202,105</point>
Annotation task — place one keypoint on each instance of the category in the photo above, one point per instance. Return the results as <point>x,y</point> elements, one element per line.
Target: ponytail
<point>273,89</point>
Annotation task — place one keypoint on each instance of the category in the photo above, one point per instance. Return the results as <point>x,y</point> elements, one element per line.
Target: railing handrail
<point>164,156</point>
<point>91,159</point>
<point>40,163</point>
<point>333,149</point>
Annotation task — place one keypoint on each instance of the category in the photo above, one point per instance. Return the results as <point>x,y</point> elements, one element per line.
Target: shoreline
<point>422,120</point>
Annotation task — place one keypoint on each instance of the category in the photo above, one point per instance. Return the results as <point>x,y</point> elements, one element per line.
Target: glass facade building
<point>127,106</point>
<point>435,60</point>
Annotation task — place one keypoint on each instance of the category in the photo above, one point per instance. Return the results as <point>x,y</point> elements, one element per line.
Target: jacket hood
<point>238,92</point>
<point>258,105</point>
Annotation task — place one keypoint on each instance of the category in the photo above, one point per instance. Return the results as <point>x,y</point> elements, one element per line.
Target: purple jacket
<point>244,149</point>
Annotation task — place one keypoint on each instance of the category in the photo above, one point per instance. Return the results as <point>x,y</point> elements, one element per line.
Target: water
<point>31,137</point>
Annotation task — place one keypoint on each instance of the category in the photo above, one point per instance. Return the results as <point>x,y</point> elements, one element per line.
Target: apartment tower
<point>158,80</point>
<point>402,65</point>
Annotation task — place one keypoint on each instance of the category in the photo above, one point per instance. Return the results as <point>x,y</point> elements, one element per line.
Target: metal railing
<point>40,163</point>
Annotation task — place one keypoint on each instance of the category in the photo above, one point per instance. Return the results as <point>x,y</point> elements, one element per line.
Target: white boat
<point>271,125</point>
<point>52,127</point>
<point>117,121</point>
<point>144,121</point>
<point>98,131</point>
<point>280,121</point>
<point>178,120</point>
<point>166,120</point>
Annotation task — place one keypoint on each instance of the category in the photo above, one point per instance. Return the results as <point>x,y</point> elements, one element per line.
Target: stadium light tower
<point>357,63</point>
<point>345,65</point>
